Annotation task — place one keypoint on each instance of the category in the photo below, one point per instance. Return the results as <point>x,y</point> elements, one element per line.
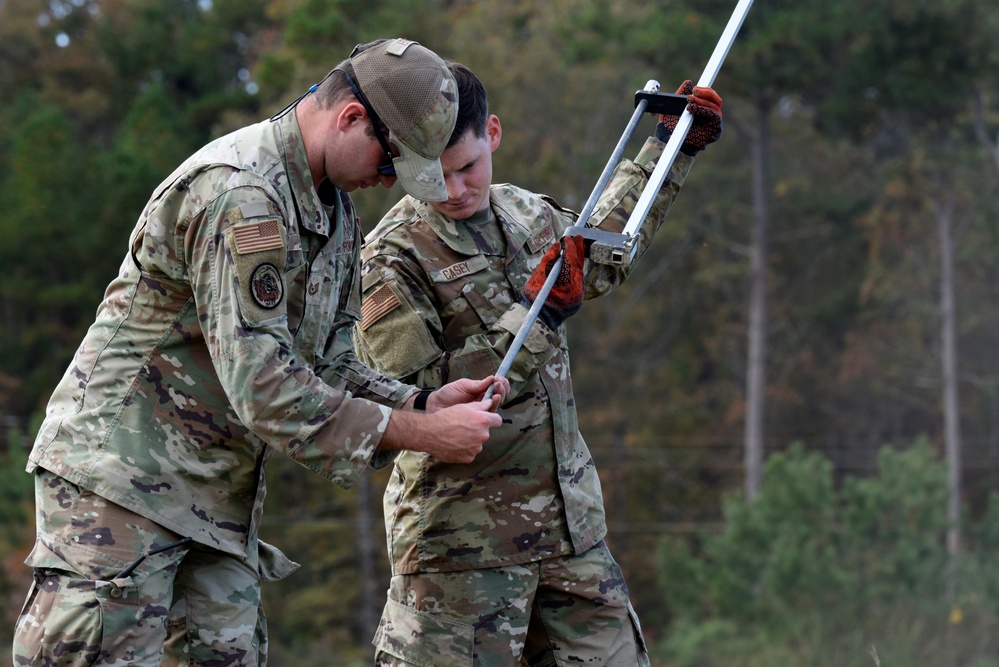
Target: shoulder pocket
<point>258,255</point>
<point>393,334</point>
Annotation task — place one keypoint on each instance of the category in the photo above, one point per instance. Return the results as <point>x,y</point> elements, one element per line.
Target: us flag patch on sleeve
<point>381,302</point>
<point>257,236</point>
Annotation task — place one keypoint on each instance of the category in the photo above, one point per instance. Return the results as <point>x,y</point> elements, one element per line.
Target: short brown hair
<point>473,107</point>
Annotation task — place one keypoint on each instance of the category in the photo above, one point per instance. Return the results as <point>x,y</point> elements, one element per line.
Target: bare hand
<point>456,423</point>
<point>466,390</point>
<point>461,430</point>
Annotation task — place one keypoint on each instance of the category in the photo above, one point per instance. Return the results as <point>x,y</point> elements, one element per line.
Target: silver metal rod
<point>652,86</point>
<point>651,188</point>
<point>683,125</point>
<point>532,315</point>
<point>724,43</point>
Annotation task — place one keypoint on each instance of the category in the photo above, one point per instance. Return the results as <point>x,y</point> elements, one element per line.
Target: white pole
<point>683,125</point>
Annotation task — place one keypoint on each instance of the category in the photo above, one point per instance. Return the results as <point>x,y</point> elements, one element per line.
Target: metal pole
<point>652,187</point>
<point>532,315</point>
<point>652,86</point>
<point>683,125</point>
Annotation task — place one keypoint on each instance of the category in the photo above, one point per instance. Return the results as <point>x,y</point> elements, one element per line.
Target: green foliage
<point>16,528</point>
<point>812,574</point>
<point>49,170</point>
<point>773,558</point>
<point>313,23</point>
<point>15,489</point>
<point>151,142</point>
<point>893,523</point>
<point>931,48</point>
<point>198,54</point>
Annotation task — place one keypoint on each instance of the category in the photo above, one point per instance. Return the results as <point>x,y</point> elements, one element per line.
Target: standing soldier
<point>502,561</point>
<point>226,336</point>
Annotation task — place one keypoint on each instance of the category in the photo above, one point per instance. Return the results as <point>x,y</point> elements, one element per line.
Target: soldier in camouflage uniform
<point>501,561</point>
<point>225,337</point>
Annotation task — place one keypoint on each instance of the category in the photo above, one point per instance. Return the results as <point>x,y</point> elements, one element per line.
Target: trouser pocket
<point>70,619</point>
<point>60,622</point>
<point>408,636</point>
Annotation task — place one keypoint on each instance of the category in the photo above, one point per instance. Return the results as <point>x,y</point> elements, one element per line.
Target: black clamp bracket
<point>671,104</point>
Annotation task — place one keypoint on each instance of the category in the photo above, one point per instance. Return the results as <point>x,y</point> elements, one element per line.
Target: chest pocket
<point>475,293</point>
<point>328,288</point>
<point>331,281</point>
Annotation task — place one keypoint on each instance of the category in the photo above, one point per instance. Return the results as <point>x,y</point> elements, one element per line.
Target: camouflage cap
<point>414,94</point>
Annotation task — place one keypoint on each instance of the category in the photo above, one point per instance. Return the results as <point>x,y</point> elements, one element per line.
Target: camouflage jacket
<point>226,333</point>
<point>440,302</point>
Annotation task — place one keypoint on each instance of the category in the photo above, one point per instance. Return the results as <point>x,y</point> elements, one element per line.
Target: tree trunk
<point>370,611</point>
<point>756,360</point>
<point>948,353</point>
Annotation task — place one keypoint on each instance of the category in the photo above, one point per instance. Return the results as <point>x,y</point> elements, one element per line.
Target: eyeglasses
<point>385,169</point>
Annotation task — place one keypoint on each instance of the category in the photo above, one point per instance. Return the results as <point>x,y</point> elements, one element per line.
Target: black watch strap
<point>420,402</point>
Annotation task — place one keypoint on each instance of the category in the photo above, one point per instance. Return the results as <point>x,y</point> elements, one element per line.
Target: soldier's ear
<point>351,113</point>
<point>494,131</point>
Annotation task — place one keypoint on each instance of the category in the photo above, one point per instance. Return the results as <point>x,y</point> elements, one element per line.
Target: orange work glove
<point>566,296</point>
<point>705,104</point>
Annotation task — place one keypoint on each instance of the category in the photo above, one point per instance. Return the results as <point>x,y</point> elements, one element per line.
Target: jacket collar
<point>316,205</point>
<point>520,219</point>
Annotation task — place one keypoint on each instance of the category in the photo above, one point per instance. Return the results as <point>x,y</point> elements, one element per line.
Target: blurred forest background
<point>794,401</point>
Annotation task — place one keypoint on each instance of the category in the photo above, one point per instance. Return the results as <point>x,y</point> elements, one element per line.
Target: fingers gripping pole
<point>651,188</point>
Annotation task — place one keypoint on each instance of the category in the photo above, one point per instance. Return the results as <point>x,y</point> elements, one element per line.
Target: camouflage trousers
<point>558,611</point>
<point>180,605</point>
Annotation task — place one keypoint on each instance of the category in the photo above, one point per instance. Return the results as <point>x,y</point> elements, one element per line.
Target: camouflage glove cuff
<point>705,105</point>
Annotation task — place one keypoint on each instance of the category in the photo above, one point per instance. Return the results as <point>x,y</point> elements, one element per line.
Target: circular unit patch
<point>266,286</point>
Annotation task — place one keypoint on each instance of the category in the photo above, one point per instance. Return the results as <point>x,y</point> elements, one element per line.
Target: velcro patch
<point>398,46</point>
<point>542,239</point>
<point>459,269</point>
<point>380,303</point>
<point>257,236</point>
